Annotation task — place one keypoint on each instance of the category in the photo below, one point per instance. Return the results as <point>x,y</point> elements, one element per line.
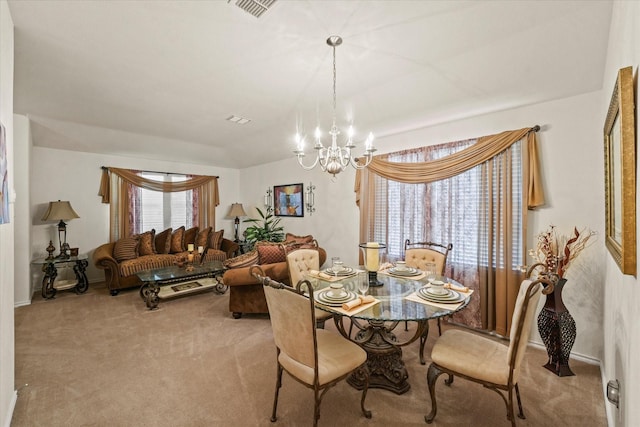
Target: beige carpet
<point>97,360</point>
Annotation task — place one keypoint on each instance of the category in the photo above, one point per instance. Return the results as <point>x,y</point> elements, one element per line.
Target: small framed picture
<point>288,200</point>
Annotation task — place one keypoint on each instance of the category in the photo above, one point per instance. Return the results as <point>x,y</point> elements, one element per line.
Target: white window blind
<point>161,210</point>
<point>446,211</point>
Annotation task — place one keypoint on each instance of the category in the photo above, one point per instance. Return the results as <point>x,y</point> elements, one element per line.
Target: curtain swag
<point>486,148</point>
<point>131,177</point>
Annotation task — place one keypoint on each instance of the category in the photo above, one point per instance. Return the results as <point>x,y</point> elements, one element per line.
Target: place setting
<point>345,301</point>
<point>336,272</point>
<point>441,294</point>
<point>401,269</point>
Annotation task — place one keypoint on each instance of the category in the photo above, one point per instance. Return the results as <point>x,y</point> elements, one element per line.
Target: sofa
<point>245,292</point>
<point>121,260</point>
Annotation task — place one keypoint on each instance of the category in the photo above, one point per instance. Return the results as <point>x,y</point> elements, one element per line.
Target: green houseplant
<point>265,228</point>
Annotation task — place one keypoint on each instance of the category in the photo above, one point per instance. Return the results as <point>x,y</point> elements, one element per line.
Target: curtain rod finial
<point>536,128</point>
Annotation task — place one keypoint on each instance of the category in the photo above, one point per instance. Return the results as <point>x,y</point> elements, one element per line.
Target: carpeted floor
<point>97,360</point>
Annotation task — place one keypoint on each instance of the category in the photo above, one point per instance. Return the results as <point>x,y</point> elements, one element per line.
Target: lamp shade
<point>236,211</point>
<point>59,211</point>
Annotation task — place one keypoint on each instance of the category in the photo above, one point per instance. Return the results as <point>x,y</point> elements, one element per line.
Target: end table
<point>50,270</point>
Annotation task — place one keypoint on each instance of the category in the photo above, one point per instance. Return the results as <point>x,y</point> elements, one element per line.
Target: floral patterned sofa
<point>121,260</point>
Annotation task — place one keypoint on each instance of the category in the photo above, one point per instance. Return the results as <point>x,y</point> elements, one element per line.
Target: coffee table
<point>174,281</point>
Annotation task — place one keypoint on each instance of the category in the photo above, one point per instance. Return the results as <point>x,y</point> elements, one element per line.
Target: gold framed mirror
<point>620,174</point>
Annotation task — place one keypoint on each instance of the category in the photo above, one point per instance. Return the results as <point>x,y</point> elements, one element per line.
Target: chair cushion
<point>126,248</point>
<point>337,356</point>
<point>473,355</point>
<point>177,241</point>
<point>147,246</point>
<point>163,241</point>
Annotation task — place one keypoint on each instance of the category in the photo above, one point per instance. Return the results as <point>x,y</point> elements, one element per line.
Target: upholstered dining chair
<point>422,255</point>
<point>299,262</point>
<point>317,358</point>
<point>484,360</point>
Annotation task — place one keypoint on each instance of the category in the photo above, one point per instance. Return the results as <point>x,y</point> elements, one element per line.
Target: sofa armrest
<point>103,257</point>
<point>230,247</point>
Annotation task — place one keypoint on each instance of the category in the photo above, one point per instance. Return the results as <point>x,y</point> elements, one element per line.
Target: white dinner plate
<point>346,271</point>
<point>451,298</point>
<point>408,272</point>
<point>324,298</point>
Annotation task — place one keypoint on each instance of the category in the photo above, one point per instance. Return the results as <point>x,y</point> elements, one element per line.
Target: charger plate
<point>325,298</point>
<point>408,272</point>
<point>346,271</point>
<point>451,297</point>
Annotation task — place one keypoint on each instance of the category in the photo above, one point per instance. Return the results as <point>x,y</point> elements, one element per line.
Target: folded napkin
<point>329,277</point>
<point>358,302</point>
<point>384,266</point>
<point>456,288</point>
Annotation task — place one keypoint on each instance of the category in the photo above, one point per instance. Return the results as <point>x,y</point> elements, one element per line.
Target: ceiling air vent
<point>255,7</point>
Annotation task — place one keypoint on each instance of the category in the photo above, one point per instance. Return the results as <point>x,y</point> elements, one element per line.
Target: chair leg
<point>510,415</point>
<point>423,341</point>
<point>406,327</point>
<point>520,412</point>
<point>275,398</point>
<point>439,329</point>
<point>432,375</point>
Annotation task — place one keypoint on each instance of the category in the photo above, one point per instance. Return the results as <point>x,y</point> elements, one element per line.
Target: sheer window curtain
<point>480,208</point>
<point>116,189</point>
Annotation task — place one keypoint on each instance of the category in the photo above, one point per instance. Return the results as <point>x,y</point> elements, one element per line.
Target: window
<point>448,211</point>
<point>161,210</point>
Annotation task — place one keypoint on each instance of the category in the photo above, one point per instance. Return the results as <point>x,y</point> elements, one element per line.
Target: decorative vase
<point>558,331</point>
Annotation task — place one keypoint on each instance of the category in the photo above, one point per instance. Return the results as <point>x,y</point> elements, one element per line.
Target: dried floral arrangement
<point>557,252</point>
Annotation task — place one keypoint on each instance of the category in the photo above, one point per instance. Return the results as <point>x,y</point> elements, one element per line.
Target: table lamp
<point>236,211</point>
<point>371,251</point>
<point>61,211</point>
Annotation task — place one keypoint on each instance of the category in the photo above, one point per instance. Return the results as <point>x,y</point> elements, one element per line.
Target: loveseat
<point>245,292</point>
<point>121,260</point>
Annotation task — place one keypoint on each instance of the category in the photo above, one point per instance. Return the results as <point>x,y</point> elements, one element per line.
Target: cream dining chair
<point>484,360</point>
<point>317,358</point>
<point>424,255</point>
<point>299,262</point>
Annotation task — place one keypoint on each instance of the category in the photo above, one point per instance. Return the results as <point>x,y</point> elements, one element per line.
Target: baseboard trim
<point>12,406</point>
<point>577,356</point>
<point>21,303</point>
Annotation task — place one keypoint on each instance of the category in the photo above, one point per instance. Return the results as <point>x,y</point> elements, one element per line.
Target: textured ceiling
<point>138,77</point>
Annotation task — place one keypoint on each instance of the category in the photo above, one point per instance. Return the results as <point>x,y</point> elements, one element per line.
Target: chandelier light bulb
<point>334,158</point>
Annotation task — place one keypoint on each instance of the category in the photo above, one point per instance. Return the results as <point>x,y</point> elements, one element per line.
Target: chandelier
<point>334,159</point>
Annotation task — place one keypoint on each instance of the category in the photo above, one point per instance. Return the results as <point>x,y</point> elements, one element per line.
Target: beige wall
<point>7,389</point>
<point>621,296</point>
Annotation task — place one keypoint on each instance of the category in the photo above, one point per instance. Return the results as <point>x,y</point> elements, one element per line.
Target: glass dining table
<point>374,326</point>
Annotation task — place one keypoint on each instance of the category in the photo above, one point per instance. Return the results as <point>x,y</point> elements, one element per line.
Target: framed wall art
<point>288,200</point>
<point>620,174</point>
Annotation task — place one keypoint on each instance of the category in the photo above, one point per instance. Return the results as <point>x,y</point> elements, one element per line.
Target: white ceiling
<point>157,79</point>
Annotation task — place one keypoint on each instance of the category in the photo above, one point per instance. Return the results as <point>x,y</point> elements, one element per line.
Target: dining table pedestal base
<point>384,357</point>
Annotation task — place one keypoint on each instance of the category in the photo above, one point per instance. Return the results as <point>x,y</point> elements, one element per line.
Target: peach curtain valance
<point>486,148</point>
<point>132,177</point>
<point>114,186</point>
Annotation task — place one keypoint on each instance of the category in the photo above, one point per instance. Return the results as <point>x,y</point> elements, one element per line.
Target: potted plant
<point>265,228</point>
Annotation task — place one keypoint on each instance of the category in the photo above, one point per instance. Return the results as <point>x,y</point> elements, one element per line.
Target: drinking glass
<point>335,263</point>
<point>430,271</point>
<point>363,283</point>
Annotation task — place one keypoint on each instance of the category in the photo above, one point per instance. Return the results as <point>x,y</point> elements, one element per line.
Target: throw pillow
<point>271,253</point>
<point>177,241</point>
<point>298,239</point>
<point>202,238</point>
<point>126,248</point>
<point>163,241</point>
<point>245,260</point>
<point>215,239</point>
<point>190,236</point>
<point>146,246</point>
